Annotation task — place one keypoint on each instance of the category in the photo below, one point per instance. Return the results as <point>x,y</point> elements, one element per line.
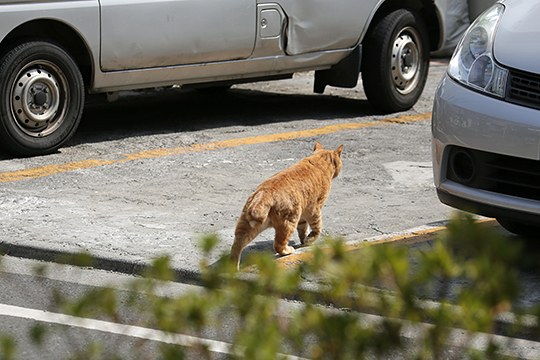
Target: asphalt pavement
<point>153,172</point>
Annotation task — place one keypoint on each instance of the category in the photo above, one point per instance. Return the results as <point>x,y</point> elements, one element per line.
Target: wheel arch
<point>58,33</point>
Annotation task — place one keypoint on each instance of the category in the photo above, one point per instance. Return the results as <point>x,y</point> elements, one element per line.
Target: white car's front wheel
<point>526,230</point>
<point>395,61</point>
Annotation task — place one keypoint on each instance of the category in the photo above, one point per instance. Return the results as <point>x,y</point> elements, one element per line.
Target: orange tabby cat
<point>291,199</point>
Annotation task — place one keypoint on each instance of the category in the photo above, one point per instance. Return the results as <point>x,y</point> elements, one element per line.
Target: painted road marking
<point>412,236</point>
<point>120,329</point>
<point>49,170</point>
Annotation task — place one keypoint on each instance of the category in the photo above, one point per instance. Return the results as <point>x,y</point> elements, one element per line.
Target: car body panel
<point>517,33</point>
<point>226,32</point>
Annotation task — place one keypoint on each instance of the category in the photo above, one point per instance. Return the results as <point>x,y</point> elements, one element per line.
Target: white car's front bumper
<point>477,138</point>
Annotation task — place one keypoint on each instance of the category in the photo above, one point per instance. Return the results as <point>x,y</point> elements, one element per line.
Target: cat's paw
<point>286,251</point>
<point>310,239</point>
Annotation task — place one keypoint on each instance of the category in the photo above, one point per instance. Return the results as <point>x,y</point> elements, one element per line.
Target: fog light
<point>462,166</point>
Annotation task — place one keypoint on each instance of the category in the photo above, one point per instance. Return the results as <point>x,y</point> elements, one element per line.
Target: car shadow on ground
<point>173,110</point>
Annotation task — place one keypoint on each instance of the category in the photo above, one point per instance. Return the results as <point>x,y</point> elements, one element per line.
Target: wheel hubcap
<point>406,60</point>
<point>38,100</point>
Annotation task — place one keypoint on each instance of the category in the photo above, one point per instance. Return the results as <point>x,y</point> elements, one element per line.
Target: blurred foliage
<point>341,304</point>
<point>7,348</point>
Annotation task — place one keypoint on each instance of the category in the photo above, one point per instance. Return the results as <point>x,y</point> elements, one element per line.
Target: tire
<point>41,98</point>
<point>395,61</point>
<point>525,230</point>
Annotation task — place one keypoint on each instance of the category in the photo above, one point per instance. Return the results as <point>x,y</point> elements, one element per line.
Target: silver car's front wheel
<point>42,97</point>
<point>406,61</point>
<point>395,61</point>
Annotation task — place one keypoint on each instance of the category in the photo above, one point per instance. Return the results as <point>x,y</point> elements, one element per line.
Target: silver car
<point>52,53</point>
<point>486,119</point>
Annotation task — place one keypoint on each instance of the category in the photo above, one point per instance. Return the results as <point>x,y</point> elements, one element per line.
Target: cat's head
<point>333,156</point>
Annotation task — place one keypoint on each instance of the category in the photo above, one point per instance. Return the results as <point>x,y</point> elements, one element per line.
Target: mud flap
<point>343,74</point>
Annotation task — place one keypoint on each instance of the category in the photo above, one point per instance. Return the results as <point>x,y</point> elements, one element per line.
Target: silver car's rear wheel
<point>38,100</point>
<point>42,98</point>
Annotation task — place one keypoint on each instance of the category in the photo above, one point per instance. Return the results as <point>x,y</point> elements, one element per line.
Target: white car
<point>54,52</point>
<point>486,119</point>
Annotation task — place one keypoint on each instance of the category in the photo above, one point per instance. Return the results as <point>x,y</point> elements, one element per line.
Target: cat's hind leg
<point>245,232</point>
<point>284,232</point>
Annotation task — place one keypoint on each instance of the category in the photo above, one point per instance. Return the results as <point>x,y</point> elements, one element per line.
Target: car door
<point>139,34</point>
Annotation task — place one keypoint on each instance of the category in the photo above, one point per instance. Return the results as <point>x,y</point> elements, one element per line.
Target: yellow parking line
<point>158,153</point>
<point>297,258</point>
<point>408,237</point>
<point>260,139</point>
<point>49,170</point>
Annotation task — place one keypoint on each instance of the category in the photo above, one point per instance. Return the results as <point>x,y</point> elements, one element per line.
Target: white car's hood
<point>517,41</point>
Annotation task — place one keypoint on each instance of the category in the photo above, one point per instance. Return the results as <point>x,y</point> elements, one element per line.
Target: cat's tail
<point>252,222</point>
<point>257,208</point>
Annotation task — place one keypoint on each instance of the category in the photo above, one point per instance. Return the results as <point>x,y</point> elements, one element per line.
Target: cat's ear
<point>339,150</point>
<point>318,146</point>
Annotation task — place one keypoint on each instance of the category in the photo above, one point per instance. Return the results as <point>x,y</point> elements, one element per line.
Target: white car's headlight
<point>472,63</point>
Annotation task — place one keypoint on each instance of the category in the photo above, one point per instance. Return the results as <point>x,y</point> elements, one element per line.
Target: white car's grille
<point>524,89</point>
